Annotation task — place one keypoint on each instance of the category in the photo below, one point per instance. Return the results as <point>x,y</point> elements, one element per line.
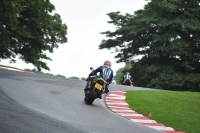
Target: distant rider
<point>105,72</point>
<point>127,76</point>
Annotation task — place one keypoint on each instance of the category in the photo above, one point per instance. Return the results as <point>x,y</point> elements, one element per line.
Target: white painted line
<point>129,114</point>
<point>116,100</point>
<point>161,128</point>
<point>143,121</point>
<point>115,95</point>
<point>118,91</point>
<point>116,110</point>
<point>114,107</point>
<point>118,103</point>
<point>120,98</point>
<point>108,102</point>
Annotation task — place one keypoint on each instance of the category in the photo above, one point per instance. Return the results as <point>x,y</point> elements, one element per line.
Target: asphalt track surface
<point>34,103</point>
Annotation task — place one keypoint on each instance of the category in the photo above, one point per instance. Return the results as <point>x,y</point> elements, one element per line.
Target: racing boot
<point>100,96</point>
<point>106,90</point>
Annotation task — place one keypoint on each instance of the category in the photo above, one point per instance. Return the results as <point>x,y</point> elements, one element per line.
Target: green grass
<point>179,110</point>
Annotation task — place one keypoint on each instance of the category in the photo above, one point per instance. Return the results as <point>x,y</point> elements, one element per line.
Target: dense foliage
<point>29,29</point>
<point>166,34</point>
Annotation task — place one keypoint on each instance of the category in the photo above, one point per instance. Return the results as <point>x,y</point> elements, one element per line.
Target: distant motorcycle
<point>127,82</point>
<point>97,86</point>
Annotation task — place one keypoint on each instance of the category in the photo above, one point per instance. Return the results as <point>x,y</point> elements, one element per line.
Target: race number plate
<point>98,86</point>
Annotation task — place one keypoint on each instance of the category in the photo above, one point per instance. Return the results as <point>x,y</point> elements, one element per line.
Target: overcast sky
<point>85,20</point>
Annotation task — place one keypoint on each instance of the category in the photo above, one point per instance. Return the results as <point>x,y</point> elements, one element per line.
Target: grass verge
<point>179,110</point>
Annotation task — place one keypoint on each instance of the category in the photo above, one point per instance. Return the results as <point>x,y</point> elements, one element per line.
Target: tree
<point>29,29</point>
<point>119,76</point>
<point>167,36</point>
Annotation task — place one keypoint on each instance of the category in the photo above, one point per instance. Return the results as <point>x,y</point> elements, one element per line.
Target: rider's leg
<point>106,89</point>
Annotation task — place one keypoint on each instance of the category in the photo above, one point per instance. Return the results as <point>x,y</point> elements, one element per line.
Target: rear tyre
<point>89,99</point>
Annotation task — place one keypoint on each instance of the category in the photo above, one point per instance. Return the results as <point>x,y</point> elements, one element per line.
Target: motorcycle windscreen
<point>98,86</point>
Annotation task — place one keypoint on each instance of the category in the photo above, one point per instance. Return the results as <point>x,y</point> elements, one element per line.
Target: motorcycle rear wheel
<point>89,99</point>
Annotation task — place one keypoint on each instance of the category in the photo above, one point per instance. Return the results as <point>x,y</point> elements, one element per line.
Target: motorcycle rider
<point>127,76</point>
<point>105,72</point>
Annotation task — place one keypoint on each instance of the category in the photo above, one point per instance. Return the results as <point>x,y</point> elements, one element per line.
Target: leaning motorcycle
<point>95,90</point>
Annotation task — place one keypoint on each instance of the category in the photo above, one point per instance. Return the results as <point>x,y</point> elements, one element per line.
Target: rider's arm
<point>94,72</point>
